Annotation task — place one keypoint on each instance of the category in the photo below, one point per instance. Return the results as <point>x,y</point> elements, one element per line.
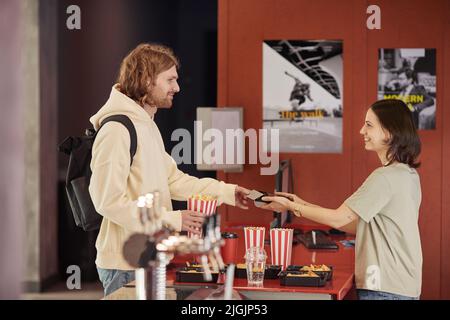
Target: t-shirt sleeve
<point>371,197</point>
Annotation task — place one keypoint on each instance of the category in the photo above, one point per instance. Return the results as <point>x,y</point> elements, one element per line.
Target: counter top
<point>342,261</point>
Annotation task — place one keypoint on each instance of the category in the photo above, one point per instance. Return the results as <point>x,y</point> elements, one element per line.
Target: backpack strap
<point>123,119</point>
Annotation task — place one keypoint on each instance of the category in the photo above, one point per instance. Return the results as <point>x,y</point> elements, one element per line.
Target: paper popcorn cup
<point>254,237</point>
<point>203,204</point>
<point>281,246</point>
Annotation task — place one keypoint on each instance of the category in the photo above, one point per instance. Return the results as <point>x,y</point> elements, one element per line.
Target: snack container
<point>193,274</point>
<point>281,246</point>
<point>254,237</point>
<point>203,204</point>
<point>271,272</point>
<point>327,274</point>
<point>292,278</point>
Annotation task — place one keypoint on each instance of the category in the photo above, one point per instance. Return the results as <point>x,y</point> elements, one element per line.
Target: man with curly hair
<point>147,81</point>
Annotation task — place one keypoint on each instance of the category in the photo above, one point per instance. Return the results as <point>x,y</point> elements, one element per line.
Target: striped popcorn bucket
<point>281,246</point>
<point>201,204</point>
<point>254,237</point>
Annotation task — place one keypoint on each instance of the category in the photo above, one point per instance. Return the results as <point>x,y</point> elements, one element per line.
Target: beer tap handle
<point>143,213</point>
<point>207,272</point>
<point>215,238</point>
<point>149,205</point>
<point>228,291</point>
<point>208,235</point>
<point>205,227</point>
<point>158,209</point>
<point>218,258</point>
<point>214,263</point>
<point>218,234</point>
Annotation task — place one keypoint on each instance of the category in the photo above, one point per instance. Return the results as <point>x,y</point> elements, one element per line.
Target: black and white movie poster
<point>302,94</point>
<point>410,75</point>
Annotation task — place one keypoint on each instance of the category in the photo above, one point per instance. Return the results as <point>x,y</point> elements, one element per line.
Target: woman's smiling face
<point>375,137</point>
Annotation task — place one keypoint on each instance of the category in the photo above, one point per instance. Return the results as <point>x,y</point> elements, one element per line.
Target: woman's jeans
<point>379,295</point>
<point>114,279</point>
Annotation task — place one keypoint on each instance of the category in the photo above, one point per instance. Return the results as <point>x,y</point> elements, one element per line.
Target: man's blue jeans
<point>114,279</point>
<point>379,295</point>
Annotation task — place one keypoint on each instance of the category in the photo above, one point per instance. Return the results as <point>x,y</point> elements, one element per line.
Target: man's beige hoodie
<point>115,188</point>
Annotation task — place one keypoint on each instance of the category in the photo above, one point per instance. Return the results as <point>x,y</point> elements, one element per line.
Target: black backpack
<point>79,172</point>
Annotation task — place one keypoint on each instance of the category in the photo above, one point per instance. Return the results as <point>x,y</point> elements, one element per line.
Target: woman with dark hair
<point>383,212</point>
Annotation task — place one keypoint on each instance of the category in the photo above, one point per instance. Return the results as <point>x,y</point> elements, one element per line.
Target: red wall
<point>327,179</point>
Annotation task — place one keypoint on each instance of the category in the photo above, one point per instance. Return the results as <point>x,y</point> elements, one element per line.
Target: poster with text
<point>410,75</point>
<point>302,94</point>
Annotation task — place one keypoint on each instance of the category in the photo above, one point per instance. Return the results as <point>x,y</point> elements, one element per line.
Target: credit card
<point>254,194</point>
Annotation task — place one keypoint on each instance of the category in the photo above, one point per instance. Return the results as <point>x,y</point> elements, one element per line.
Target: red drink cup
<point>229,249</point>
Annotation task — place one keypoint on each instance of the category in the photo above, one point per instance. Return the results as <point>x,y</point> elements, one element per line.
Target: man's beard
<point>159,102</point>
